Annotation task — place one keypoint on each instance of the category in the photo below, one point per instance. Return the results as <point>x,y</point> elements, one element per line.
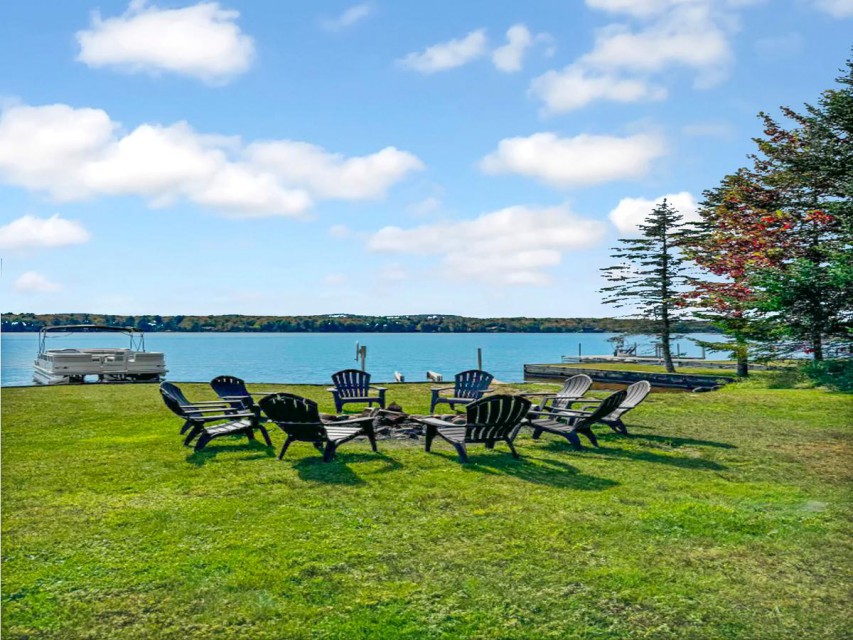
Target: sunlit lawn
<point>725,515</point>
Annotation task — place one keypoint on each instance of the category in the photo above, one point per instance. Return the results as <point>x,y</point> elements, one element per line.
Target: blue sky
<point>474,158</point>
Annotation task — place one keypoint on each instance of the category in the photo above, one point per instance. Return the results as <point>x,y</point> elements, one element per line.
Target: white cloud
<point>201,40</point>
<point>75,154</point>
<point>510,57</point>
<point>29,232</point>
<point>425,207</point>
<point>448,55</point>
<point>32,282</point>
<point>574,87</point>
<point>658,35</point>
<point>630,212</point>
<point>332,175</point>
<point>836,8</point>
<point>689,35</point>
<point>513,246</point>
<point>579,161</point>
<point>394,272</point>
<point>348,18</point>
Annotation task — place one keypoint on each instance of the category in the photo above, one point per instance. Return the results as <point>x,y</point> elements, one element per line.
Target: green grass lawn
<point>725,515</point>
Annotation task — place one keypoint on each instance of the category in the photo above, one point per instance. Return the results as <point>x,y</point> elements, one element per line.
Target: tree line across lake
<point>342,323</point>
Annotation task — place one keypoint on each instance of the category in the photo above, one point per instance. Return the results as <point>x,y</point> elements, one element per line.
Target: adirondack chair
<point>233,390</point>
<point>488,420</point>
<point>300,419</point>
<point>570,423</point>
<point>572,391</point>
<point>468,386</point>
<point>210,419</point>
<point>635,394</point>
<point>353,385</point>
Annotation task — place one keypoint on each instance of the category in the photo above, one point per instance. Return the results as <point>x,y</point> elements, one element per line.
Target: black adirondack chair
<point>300,419</point>
<point>572,391</point>
<point>233,390</point>
<point>353,385</point>
<point>488,420</point>
<point>211,419</point>
<point>635,394</point>
<point>468,386</point>
<point>570,423</point>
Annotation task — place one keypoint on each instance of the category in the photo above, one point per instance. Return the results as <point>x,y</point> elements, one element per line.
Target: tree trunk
<point>817,347</point>
<point>665,339</point>
<point>742,355</point>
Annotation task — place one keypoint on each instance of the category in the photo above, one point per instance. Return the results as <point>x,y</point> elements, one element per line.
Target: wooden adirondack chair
<point>570,423</point>
<point>488,420</point>
<point>353,385</point>
<point>211,419</point>
<point>300,419</point>
<point>468,386</point>
<point>232,389</point>
<point>572,391</point>
<point>635,394</point>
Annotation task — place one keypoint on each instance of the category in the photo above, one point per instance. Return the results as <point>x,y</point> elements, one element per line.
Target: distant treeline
<point>344,323</point>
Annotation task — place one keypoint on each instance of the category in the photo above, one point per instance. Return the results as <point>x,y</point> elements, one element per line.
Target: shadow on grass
<point>313,468</point>
<point>642,456</point>
<point>255,448</point>
<point>529,468</point>
<point>672,441</point>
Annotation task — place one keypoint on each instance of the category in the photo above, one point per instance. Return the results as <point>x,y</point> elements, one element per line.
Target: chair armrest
<point>537,393</point>
<point>379,388</point>
<point>332,389</point>
<point>227,416</point>
<point>204,403</point>
<point>437,389</point>
<point>435,422</point>
<point>190,408</point>
<point>349,421</point>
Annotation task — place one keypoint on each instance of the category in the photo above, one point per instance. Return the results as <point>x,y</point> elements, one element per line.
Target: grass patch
<point>726,514</point>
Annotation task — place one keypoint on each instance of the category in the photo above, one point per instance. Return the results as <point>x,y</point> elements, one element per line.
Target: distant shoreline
<point>343,323</point>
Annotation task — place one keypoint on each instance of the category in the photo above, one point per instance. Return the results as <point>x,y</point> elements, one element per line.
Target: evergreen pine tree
<point>651,275</point>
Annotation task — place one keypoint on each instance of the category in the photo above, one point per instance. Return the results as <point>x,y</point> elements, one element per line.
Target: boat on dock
<point>74,365</point>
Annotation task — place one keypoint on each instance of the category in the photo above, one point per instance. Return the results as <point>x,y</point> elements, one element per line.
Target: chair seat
<point>454,400</point>
<point>454,434</point>
<point>228,427</point>
<point>361,398</point>
<point>341,433</point>
<point>551,425</point>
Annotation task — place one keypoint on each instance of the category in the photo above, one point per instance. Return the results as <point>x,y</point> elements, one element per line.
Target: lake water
<point>313,357</point>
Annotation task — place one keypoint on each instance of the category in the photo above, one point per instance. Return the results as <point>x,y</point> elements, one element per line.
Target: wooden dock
<point>688,382</point>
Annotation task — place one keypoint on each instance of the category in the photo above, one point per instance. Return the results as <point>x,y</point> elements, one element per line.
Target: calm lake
<point>313,357</point>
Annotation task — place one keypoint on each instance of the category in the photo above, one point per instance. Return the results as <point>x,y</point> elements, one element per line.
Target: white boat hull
<point>70,366</point>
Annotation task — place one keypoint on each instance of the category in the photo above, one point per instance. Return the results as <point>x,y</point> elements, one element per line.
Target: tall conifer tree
<point>651,275</point>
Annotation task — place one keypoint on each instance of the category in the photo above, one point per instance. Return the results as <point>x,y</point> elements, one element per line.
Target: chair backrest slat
<point>177,401</point>
<point>607,406</point>
<point>472,384</point>
<point>352,383</point>
<point>495,417</point>
<point>573,387</point>
<point>299,417</point>
<point>635,394</point>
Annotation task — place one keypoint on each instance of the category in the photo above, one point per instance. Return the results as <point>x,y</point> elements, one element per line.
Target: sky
<point>389,158</point>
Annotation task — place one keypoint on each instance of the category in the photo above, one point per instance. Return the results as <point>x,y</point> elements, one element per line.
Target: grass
<point>725,515</point>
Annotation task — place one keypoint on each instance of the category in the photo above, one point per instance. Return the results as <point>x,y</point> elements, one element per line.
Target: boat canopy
<point>137,337</point>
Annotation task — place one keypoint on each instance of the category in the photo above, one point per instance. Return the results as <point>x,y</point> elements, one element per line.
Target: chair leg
<point>490,444</point>
<point>202,442</point>
<point>250,434</point>
<point>318,446</point>
<point>372,438</point>
<point>537,433</point>
<point>191,435</point>
<point>186,426</point>
<point>590,435</point>
<point>265,434</point>
<point>512,449</point>
<point>573,439</point>
<point>619,427</point>
<point>330,451</point>
<point>284,447</point>
<point>463,454</point>
<point>429,437</point>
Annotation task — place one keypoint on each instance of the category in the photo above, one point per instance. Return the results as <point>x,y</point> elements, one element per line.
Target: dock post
<point>479,358</point>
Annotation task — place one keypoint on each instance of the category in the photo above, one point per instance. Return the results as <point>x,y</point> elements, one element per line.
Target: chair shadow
<point>640,456</point>
<point>544,470</point>
<point>256,448</point>
<point>672,441</point>
<point>313,469</point>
